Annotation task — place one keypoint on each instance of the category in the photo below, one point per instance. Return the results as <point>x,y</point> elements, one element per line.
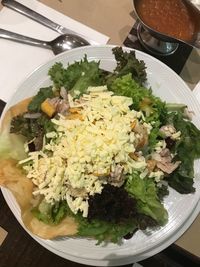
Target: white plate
<point>196,91</point>
<point>182,209</point>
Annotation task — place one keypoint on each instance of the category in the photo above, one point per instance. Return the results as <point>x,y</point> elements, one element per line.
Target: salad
<point>96,152</point>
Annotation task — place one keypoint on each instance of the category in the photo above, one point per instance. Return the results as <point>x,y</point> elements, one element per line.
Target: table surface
<point>95,14</point>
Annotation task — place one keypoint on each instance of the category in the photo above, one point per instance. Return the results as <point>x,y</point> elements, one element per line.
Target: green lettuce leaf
<point>105,231</point>
<point>189,144</point>
<point>127,63</point>
<point>143,99</point>
<point>77,77</point>
<point>100,230</point>
<point>7,142</point>
<point>148,203</point>
<point>51,214</point>
<point>43,94</point>
<point>31,128</point>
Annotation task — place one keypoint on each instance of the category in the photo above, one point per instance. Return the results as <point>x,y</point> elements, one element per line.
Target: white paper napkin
<point>18,60</point>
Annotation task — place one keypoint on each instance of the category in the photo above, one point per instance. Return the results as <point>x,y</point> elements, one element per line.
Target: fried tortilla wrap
<point>13,178</point>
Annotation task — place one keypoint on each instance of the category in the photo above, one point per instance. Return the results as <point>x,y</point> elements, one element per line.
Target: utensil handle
<point>12,36</point>
<point>14,5</point>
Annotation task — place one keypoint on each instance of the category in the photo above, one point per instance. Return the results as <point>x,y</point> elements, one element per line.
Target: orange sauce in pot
<point>170,17</point>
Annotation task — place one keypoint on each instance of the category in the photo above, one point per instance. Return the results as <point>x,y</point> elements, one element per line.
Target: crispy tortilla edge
<point>12,178</point>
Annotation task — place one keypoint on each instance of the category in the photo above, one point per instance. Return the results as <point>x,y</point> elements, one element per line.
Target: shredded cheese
<point>79,155</point>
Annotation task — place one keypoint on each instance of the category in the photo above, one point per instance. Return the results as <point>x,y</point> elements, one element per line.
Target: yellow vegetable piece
<point>74,110</point>
<point>146,106</point>
<point>48,108</point>
<point>101,174</point>
<point>74,116</point>
<point>133,124</point>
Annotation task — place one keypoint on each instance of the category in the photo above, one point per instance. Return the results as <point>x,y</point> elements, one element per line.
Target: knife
<point>16,6</point>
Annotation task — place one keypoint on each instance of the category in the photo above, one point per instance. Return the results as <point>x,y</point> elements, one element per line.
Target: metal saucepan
<point>162,44</point>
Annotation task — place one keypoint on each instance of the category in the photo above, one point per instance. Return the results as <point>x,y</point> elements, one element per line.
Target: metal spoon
<point>58,45</point>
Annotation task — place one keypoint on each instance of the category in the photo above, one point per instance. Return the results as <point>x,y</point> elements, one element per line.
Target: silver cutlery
<point>20,8</point>
<point>60,44</point>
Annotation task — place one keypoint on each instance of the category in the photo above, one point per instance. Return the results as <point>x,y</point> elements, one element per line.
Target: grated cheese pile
<point>87,146</point>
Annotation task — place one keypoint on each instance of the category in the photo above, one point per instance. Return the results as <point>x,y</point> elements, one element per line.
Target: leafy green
<point>58,75</point>
<point>143,99</point>
<point>50,214</point>
<point>154,135</point>
<point>126,86</point>
<point>148,203</point>
<point>7,142</point>
<point>162,191</point>
<point>182,178</point>
<point>127,63</point>
<point>180,181</point>
<point>20,126</point>
<point>114,204</point>
<point>100,230</point>
<point>43,94</point>
<point>77,77</point>
<point>105,231</point>
<point>46,124</point>
<point>31,128</point>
